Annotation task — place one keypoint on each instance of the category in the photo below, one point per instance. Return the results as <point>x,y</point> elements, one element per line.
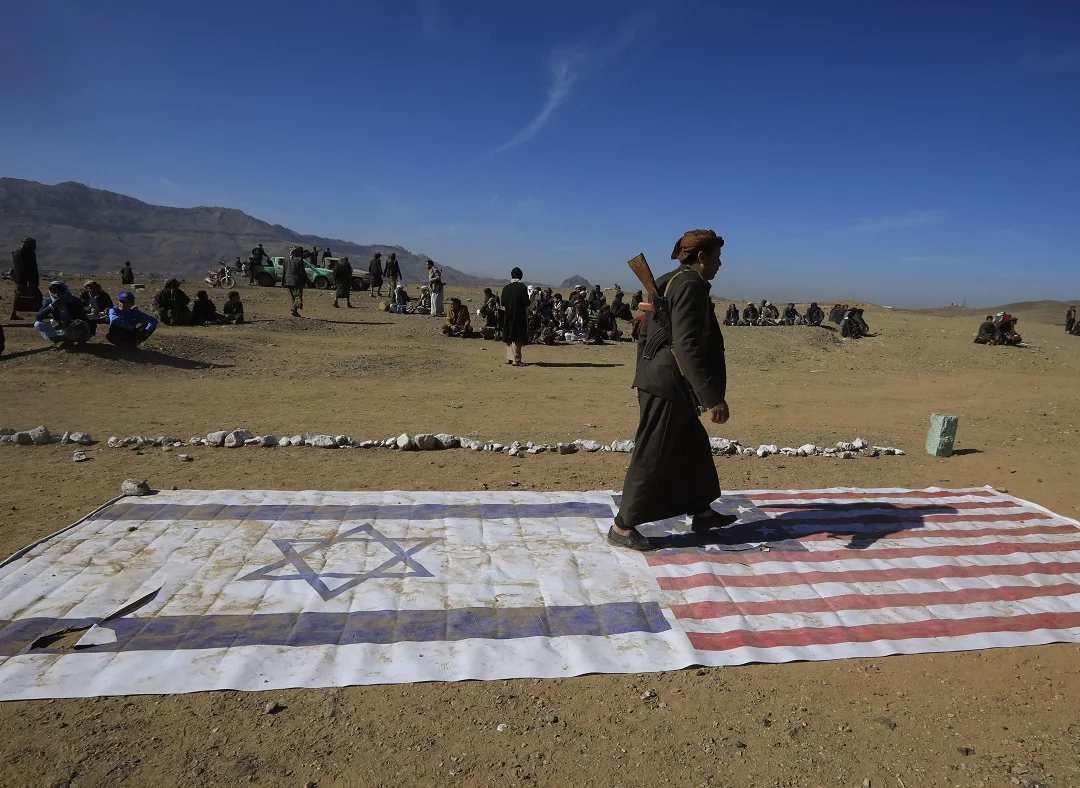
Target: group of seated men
<point>175,308</point>
<point>768,315</point>
<point>999,329</point>
<point>586,316</point>
<point>68,320</point>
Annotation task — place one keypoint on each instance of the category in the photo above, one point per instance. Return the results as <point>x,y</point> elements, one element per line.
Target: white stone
<point>495,447</point>
<point>40,436</point>
<point>405,442</point>
<point>787,451</point>
<point>80,456</point>
<point>252,442</point>
<point>216,438</point>
<point>448,441</point>
<point>342,440</point>
<point>196,440</point>
<point>849,455</point>
<point>588,445</point>
<point>567,448</point>
<point>284,442</point>
<point>623,446</point>
<point>297,440</point>
<point>427,442</point>
<point>65,438</point>
<point>7,438</point>
<point>7,430</point>
<point>114,442</point>
<point>808,449</point>
<point>323,442</point>
<point>134,487</point>
<point>268,441</point>
<point>185,457</point>
<point>859,444</point>
<point>845,446</point>
<point>237,438</point>
<point>515,451</point>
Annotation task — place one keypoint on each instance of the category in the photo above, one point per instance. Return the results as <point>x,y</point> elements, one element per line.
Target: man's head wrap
<point>694,241</point>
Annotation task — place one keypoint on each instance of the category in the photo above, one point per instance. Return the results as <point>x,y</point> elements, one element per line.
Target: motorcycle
<point>222,277</point>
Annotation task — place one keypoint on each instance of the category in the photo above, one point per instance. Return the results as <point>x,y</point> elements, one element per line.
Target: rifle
<point>660,335</point>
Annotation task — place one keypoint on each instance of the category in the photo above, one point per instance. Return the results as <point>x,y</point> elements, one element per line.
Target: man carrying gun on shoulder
<point>681,373</point>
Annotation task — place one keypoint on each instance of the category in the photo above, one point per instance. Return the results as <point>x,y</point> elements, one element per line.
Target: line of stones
<point>231,439</point>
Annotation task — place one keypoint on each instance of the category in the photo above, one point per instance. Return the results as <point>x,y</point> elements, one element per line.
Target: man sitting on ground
<point>171,304</point>
<point>606,324</point>
<point>619,308</point>
<point>815,315</point>
<point>203,311</point>
<point>1006,331</point>
<point>750,315</point>
<point>62,320</point>
<point>791,316</point>
<point>457,319</point>
<point>987,332</point>
<point>97,302</point>
<point>128,325</point>
<point>731,317</point>
<point>233,310</point>
<point>770,315</point>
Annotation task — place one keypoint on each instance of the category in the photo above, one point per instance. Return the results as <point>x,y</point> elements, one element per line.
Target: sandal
<point>634,541</point>
<point>700,525</point>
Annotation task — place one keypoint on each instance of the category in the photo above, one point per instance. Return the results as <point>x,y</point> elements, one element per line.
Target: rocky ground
<point>997,717</point>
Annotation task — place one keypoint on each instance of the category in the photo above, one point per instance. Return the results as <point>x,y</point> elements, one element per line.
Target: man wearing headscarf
<point>671,471</point>
<point>392,272</point>
<point>27,280</point>
<point>515,303</point>
<point>1070,319</point>
<point>435,285</point>
<point>63,318</point>
<point>814,315</point>
<point>376,271</point>
<point>343,282</point>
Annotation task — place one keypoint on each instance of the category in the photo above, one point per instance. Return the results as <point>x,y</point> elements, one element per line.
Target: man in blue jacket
<point>128,325</point>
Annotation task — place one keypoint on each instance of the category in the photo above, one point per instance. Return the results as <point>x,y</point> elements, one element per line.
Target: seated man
<point>731,317</point>
<point>423,305</point>
<point>636,299</point>
<point>203,311</point>
<point>171,304</point>
<point>815,315</point>
<point>128,325</point>
<point>770,315</point>
<point>619,308</point>
<point>97,302</point>
<point>62,320</point>
<point>606,324</point>
<point>750,315</point>
<point>987,332</point>
<point>399,300</point>
<point>233,310</point>
<point>1006,331</point>
<point>791,316</point>
<point>457,319</point>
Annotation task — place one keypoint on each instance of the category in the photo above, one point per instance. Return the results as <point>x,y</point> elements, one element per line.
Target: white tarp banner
<point>195,590</point>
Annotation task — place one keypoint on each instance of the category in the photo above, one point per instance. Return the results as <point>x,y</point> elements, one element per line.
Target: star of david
<point>399,554</point>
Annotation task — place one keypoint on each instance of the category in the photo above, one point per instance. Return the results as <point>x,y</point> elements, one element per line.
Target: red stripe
<point>846,507</point>
<point>863,576</point>
<point>868,495</point>
<point>855,517</point>
<point>867,633</point>
<point>944,533</point>
<point>799,556</point>
<point>844,602</point>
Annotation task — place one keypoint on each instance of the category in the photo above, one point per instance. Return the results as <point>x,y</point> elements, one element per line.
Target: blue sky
<point>907,153</point>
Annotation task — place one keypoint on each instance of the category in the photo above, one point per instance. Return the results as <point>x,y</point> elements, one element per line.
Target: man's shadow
<point>789,526</point>
<point>143,355</point>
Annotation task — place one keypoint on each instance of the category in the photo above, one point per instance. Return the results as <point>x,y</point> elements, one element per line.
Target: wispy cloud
<point>567,65</point>
<point>895,222</point>
<point>1049,62</point>
<point>166,183</point>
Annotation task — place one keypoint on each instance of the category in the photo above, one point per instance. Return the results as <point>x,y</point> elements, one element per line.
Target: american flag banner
<point>193,590</point>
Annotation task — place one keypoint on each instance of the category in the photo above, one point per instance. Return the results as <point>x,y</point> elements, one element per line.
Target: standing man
<point>1070,319</point>
<point>294,277</point>
<point>392,272</point>
<point>515,302</point>
<point>375,269</point>
<point>28,296</point>
<point>258,257</point>
<point>127,274</point>
<point>435,282</point>
<point>343,280</point>
<point>672,472</point>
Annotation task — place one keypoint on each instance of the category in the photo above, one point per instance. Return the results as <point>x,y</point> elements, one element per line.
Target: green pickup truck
<point>321,278</point>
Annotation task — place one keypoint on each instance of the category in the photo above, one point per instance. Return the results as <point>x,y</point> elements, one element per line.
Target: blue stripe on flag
<point>324,629</point>
<point>302,512</point>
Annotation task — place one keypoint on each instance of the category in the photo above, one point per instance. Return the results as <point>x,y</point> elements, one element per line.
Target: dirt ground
<point>997,717</point>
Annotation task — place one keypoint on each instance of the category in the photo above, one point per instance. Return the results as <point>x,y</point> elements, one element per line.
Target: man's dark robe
<point>343,279</point>
<point>515,300</point>
<point>672,472</point>
<point>375,269</point>
<point>26,267</point>
<point>127,275</point>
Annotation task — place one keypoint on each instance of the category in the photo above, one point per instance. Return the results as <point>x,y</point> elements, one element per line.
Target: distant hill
<point>574,281</point>
<point>85,230</point>
<point>1048,312</point>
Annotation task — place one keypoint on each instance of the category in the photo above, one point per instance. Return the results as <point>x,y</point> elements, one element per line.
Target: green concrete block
<point>939,441</point>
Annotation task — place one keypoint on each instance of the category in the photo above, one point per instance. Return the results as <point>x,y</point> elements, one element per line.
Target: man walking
<point>672,472</point>
<point>343,281</point>
<point>392,272</point>
<point>435,283</point>
<point>375,270</point>
<point>294,277</point>
<point>515,302</point>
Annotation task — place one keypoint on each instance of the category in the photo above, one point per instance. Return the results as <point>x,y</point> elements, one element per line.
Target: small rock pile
<point>238,438</point>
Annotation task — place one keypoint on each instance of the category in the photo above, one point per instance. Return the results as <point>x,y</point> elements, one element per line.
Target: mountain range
<point>84,230</point>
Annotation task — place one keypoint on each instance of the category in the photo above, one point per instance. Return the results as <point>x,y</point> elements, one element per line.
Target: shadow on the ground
<point>351,322</point>
<point>570,364</point>
<point>21,353</point>
<point>967,451</point>
<point>143,355</point>
<point>860,523</point>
